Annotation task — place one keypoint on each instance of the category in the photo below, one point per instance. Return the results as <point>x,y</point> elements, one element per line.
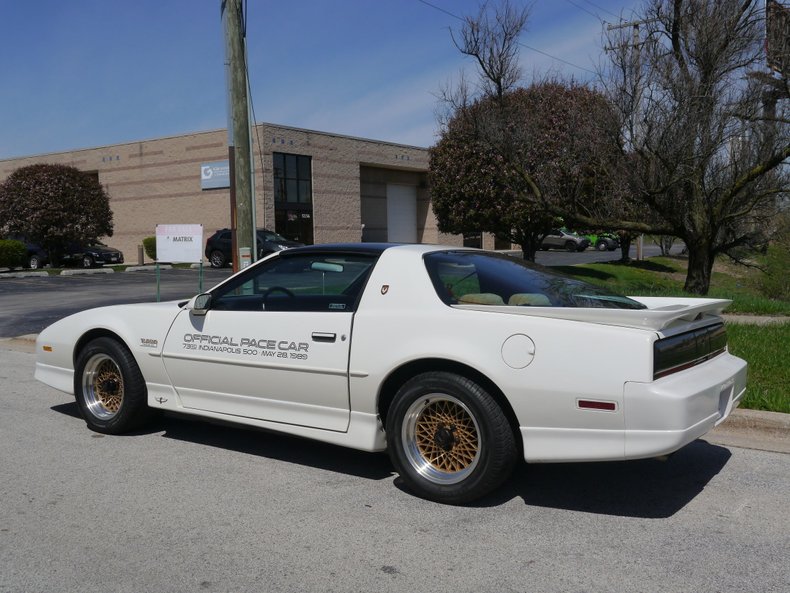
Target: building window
<point>293,196</point>
<point>473,240</point>
<point>293,178</point>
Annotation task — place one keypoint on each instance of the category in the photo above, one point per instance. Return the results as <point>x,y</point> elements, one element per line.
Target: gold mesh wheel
<point>441,438</point>
<point>102,386</point>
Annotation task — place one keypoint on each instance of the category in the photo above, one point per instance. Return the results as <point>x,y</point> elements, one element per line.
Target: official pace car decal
<point>246,346</point>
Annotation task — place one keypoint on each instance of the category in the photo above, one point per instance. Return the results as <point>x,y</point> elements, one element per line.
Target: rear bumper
<point>660,417</point>
<point>667,414</point>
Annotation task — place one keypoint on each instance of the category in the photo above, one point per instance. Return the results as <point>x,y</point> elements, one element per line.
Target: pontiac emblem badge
<point>385,288</point>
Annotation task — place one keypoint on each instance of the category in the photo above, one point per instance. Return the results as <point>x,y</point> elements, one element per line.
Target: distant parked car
<point>563,239</point>
<point>218,246</point>
<point>91,255</point>
<point>603,241</point>
<point>36,256</point>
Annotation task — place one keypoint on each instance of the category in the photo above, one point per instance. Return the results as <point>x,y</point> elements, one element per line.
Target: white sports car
<point>458,361</point>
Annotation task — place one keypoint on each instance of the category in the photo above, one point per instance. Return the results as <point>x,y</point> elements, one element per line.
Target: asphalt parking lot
<point>29,304</point>
<point>188,506</point>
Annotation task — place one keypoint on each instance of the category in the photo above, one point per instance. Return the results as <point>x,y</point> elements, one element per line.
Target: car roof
<point>370,248</point>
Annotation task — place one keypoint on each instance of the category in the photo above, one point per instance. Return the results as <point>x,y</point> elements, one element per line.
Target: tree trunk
<point>625,248</point>
<point>699,270</point>
<point>529,245</point>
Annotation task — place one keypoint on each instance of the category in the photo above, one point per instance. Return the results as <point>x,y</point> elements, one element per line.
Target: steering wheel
<point>282,289</point>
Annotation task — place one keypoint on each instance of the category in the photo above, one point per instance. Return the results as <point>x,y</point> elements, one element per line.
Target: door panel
<point>281,366</point>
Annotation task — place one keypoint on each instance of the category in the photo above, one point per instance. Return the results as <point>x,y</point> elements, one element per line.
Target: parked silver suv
<point>562,239</point>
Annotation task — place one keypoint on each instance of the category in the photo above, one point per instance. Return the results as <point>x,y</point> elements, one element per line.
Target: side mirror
<point>201,304</point>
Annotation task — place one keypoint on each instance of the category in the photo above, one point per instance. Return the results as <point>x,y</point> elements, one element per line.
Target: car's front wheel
<point>216,259</point>
<point>110,389</point>
<point>34,263</point>
<point>87,261</point>
<point>448,438</point>
<point>601,246</point>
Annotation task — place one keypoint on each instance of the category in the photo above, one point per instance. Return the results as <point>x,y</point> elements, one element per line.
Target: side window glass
<point>458,280</point>
<point>314,282</point>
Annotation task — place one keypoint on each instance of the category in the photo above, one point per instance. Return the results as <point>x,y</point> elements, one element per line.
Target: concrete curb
<point>87,272</point>
<point>754,429</point>
<point>147,268</point>
<point>755,319</point>
<point>23,274</point>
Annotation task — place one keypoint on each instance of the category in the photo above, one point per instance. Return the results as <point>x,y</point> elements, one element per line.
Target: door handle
<point>324,337</point>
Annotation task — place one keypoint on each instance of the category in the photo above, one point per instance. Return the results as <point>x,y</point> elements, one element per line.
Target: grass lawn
<point>765,347</point>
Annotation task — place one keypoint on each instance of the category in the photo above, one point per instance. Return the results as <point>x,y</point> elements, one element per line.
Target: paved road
<point>28,305</point>
<point>187,506</point>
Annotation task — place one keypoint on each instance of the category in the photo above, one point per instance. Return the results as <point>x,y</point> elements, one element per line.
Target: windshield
<point>271,236</point>
<point>469,277</point>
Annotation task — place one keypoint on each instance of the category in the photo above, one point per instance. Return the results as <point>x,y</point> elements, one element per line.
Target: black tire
<point>34,263</point>
<point>217,259</point>
<point>448,438</point>
<point>110,389</point>
<point>571,246</point>
<point>601,246</point>
<point>87,261</point>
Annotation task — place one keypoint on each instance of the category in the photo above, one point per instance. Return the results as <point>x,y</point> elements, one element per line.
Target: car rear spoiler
<point>661,312</point>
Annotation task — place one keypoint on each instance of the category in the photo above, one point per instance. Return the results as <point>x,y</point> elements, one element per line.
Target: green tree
<point>54,205</point>
<point>511,164</point>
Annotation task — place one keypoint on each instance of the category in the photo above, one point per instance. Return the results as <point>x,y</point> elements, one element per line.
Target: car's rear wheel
<point>601,246</point>
<point>448,438</point>
<point>216,259</point>
<point>34,263</point>
<point>110,389</point>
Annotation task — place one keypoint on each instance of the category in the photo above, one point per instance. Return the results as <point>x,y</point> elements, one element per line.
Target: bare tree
<point>706,131</point>
<point>491,38</point>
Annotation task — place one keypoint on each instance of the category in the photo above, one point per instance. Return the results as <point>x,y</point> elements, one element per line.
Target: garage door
<point>401,213</point>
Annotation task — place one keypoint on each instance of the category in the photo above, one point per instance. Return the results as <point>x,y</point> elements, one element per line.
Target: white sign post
<point>179,243</point>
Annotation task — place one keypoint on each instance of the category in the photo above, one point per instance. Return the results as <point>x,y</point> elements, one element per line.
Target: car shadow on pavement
<point>280,447</point>
<point>646,488</point>
<point>253,441</point>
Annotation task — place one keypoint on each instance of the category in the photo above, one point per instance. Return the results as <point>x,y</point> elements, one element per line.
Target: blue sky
<point>86,73</point>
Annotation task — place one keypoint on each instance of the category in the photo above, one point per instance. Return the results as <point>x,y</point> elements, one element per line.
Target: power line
<point>599,7</point>
<point>580,7</point>
<point>524,45</point>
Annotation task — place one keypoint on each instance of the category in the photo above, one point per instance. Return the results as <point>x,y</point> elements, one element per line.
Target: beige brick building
<point>310,186</point>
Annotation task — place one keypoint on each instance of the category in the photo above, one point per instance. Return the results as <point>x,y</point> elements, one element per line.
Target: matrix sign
<point>179,243</point>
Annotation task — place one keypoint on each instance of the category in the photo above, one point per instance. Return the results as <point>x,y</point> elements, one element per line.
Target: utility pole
<point>239,139</point>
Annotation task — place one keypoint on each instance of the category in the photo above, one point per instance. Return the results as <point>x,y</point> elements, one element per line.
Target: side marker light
<point>587,404</point>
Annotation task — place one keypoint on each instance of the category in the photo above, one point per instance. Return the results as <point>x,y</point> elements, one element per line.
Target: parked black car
<point>218,246</point>
<point>87,256</point>
<point>91,255</point>
<point>36,256</point>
